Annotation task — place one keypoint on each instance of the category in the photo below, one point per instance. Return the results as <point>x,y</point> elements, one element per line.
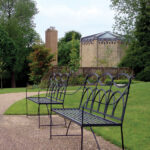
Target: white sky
<point>84,16</point>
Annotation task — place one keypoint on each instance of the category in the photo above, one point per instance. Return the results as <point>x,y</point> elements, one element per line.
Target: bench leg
<point>47,109</point>
<point>26,104</point>
<point>122,138</point>
<point>51,123</point>
<point>26,108</point>
<point>68,128</point>
<point>81,138</point>
<point>95,138</point>
<point>65,119</point>
<point>39,114</point>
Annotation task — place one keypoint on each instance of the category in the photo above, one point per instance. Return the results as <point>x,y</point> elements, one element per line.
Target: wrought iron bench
<point>55,94</point>
<point>99,107</point>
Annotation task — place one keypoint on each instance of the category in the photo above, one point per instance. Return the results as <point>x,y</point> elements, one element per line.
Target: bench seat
<point>43,100</point>
<point>89,119</point>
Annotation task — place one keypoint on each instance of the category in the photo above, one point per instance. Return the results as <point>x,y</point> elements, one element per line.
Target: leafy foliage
<point>77,79</point>
<point>16,17</point>
<point>65,46</point>
<point>7,52</point>
<point>69,36</point>
<point>125,17</point>
<point>7,49</point>
<point>138,54</point>
<point>40,62</point>
<point>74,56</point>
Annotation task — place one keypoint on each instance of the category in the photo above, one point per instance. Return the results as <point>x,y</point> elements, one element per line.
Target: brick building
<point>101,50</point>
<point>51,40</point>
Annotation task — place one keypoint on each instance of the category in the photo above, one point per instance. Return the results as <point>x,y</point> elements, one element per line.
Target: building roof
<point>107,35</point>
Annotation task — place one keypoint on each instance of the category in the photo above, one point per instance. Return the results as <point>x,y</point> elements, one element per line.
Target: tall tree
<point>16,17</point>
<point>138,54</point>
<point>126,12</point>
<point>65,46</point>
<point>7,52</point>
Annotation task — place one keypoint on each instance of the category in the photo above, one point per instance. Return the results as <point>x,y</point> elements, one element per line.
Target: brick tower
<point>51,38</point>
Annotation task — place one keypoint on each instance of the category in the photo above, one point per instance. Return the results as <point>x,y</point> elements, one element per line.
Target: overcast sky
<point>85,16</point>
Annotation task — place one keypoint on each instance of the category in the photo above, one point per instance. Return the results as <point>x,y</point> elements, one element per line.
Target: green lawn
<point>22,89</point>
<point>11,90</point>
<point>16,90</point>
<point>136,123</point>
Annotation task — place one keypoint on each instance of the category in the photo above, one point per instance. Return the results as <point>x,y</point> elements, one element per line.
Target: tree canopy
<point>65,46</point>
<point>138,54</point>
<point>16,18</point>
<point>7,52</point>
<point>69,36</point>
<point>74,63</point>
<point>126,12</point>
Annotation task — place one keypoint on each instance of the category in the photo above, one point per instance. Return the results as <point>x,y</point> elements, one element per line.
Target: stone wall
<point>88,54</point>
<point>101,53</point>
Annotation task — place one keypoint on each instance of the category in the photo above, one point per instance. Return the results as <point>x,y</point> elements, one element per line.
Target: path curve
<point>8,99</point>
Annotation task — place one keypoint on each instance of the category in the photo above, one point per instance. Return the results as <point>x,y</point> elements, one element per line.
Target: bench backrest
<point>91,86</point>
<point>90,83</point>
<point>58,86</point>
<point>109,102</point>
<point>51,84</point>
<point>117,101</point>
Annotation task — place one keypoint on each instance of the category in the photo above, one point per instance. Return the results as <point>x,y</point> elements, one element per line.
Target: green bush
<point>144,75</point>
<point>76,80</point>
<point>122,81</point>
<point>40,62</point>
<point>43,83</point>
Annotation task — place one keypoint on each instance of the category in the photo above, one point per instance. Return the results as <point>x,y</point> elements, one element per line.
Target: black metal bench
<point>99,107</point>
<point>55,94</point>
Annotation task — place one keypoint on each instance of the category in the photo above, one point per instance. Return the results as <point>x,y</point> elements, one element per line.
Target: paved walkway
<point>22,133</point>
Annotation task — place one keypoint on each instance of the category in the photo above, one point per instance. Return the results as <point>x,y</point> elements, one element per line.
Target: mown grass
<point>136,122</point>
<point>22,89</point>
<point>12,90</point>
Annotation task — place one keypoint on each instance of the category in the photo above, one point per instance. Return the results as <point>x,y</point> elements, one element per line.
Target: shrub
<point>76,80</point>
<point>40,61</point>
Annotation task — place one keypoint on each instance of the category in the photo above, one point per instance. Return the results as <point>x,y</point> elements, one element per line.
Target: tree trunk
<point>1,81</point>
<point>13,81</point>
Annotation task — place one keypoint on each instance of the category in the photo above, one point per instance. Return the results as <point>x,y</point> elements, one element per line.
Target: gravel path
<point>7,100</point>
<point>22,133</point>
